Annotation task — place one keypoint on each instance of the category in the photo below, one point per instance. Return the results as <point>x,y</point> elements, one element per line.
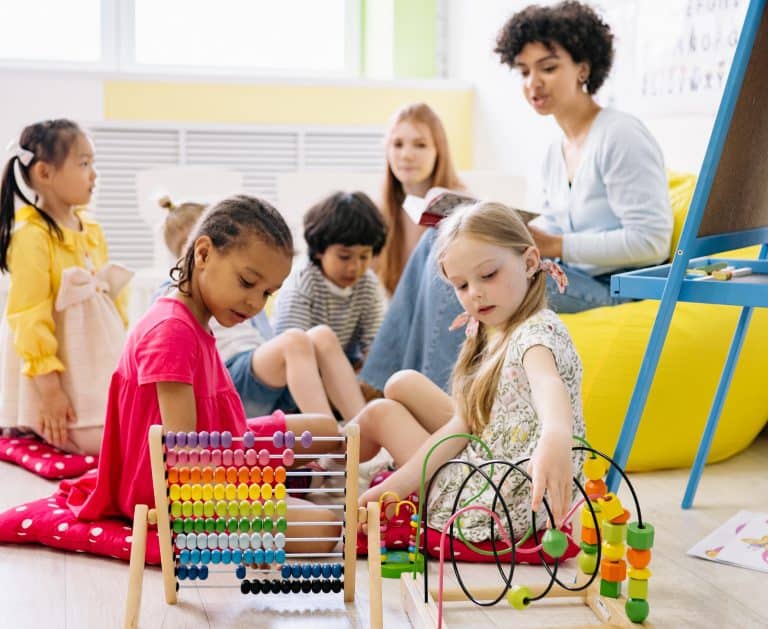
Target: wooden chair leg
<point>136,567</point>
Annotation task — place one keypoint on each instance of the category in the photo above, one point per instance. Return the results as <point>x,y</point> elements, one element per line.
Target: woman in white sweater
<point>605,201</point>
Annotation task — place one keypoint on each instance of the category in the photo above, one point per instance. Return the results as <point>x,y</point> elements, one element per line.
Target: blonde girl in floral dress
<point>516,384</point>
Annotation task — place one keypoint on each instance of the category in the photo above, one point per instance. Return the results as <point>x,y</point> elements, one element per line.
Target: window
<point>51,30</point>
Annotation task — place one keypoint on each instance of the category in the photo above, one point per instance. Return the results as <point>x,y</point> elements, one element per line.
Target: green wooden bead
<point>178,526</point>
<point>267,524</point>
<point>221,525</point>
<point>637,588</point>
<point>611,589</point>
<point>640,538</point>
<point>256,525</point>
<point>210,525</point>
<point>637,609</point>
<point>189,526</point>
<point>554,543</point>
<point>614,533</point>
<point>519,596</point>
<point>232,525</point>
<point>587,563</point>
<point>199,526</point>
<point>282,524</point>
<point>590,549</point>
<point>245,525</point>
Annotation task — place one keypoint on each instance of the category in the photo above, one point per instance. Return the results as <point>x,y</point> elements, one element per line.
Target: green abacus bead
<point>637,588</point>
<point>282,525</point>
<point>614,533</point>
<point>267,526</point>
<point>189,526</point>
<point>199,526</point>
<point>587,563</point>
<point>176,509</point>
<point>519,596</point>
<point>245,525</point>
<point>210,525</point>
<point>232,525</point>
<point>640,538</point>
<point>554,543</point>
<point>611,589</point>
<point>221,525</point>
<point>637,609</point>
<point>256,525</point>
<point>178,526</point>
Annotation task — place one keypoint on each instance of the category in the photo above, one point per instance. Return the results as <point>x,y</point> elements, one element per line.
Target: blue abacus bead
<point>296,570</point>
<point>226,556</point>
<point>258,556</point>
<point>306,570</point>
<point>249,557</point>
<point>181,439</point>
<point>249,439</point>
<point>170,439</point>
<point>215,438</point>
<point>203,573</point>
<point>215,556</point>
<point>336,570</point>
<point>290,439</point>
<point>326,571</point>
<point>202,439</point>
<point>317,570</point>
<point>194,556</point>
<point>184,556</point>
<point>278,439</point>
<point>192,439</point>
<point>280,556</point>
<point>269,556</point>
<point>193,572</point>
<point>237,556</point>
<point>285,572</point>
<point>240,572</point>
<point>182,572</point>
<point>205,556</point>
<point>226,439</point>
<point>306,439</point>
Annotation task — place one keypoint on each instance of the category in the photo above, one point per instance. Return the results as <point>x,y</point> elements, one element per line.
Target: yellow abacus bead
<point>613,552</point>
<point>256,509</point>
<point>197,508</point>
<point>244,509</point>
<point>186,509</point>
<point>233,509</point>
<point>186,492</point>
<point>282,507</point>
<point>176,509</point>
<point>266,491</point>
<point>269,508</point>
<point>242,491</point>
<point>219,492</point>
<point>230,493</point>
<point>197,492</point>
<point>209,508</point>
<point>221,508</point>
<point>174,492</point>
<point>595,468</point>
<point>280,491</point>
<point>207,492</point>
<point>610,507</point>
<point>254,492</point>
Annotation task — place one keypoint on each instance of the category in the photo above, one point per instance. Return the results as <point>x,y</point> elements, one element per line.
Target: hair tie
<point>556,272</point>
<point>166,203</point>
<point>25,156</point>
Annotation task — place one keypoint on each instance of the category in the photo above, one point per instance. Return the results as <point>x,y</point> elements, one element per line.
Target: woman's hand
<point>551,468</point>
<point>549,245</point>
<point>55,413</point>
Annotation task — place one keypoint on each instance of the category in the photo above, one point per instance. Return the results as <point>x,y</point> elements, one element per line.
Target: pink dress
<point>167,345</point>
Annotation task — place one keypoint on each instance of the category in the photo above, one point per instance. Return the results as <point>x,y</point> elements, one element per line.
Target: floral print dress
<point>511,434</point>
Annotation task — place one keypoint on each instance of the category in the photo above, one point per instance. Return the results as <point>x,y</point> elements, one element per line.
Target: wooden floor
<point>47,589</point>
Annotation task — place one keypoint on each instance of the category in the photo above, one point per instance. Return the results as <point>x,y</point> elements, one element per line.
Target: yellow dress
<point>65,312</point>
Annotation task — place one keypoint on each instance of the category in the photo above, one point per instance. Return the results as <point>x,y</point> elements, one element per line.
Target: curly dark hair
<point>347,219</point>
<point>232,223</point>
<point>573,25</point>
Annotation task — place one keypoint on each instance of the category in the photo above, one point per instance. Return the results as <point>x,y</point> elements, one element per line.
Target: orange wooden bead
<point>280,474</point>
<point>244,474</point>
<point>194,474</point>
<point>173,476</point>
<point>613,570</point>
<point>588,535</point>
<point>638,558</point>
<point>184,475</point>
<point>231,475</point>
<point>596,488</point>
<point>268,474</point>
<point>255,475</point>
<point>220,475</point>
<point>207,475</point>
<point>621,519</point>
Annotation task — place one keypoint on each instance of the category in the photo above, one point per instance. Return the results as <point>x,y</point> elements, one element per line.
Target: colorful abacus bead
<point>306,439</point>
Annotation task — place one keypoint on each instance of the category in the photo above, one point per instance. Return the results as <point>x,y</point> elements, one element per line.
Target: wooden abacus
<point>221,508</point>
<point>607,537</point>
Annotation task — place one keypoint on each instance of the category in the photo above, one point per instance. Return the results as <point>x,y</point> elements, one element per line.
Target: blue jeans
<point>583,293</point>
<point>414,334</point>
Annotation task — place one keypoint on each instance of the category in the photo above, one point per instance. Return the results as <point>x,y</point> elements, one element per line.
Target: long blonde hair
<point>391,262</point>
<point>476,374</point>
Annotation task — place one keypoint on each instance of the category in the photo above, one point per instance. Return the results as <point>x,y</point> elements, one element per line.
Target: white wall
<point>509,135</point>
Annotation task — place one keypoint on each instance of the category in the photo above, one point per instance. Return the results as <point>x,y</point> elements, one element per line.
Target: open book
<point>440,202</point>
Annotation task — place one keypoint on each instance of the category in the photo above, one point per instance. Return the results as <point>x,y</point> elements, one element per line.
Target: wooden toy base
<point>608,612</point>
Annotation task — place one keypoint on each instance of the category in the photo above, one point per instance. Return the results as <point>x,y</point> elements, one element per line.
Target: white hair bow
<point>25,156</point>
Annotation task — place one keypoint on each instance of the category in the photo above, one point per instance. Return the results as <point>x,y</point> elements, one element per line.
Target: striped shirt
<point>354,313</point>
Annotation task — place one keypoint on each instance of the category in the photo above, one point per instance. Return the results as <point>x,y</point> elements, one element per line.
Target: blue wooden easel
<point>729,210</point>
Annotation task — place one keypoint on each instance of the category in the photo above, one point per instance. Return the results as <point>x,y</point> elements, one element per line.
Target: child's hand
<point>552,470</point>
<point>55,413</point>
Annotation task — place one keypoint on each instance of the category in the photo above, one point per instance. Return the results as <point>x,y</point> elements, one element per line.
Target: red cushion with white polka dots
<point>43,459</point>
<point>50,522</point>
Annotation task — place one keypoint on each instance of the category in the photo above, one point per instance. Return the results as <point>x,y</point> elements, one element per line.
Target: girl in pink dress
<point>170,371</point>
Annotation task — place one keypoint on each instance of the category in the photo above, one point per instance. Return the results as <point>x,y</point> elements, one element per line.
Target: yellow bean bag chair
<point>612,342</point>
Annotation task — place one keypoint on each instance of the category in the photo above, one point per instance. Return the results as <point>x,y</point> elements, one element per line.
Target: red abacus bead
<point>239,457</point>
<point>288,457</point>
<point>231,474</point>
<point>280,474</point>
<point>243,475</point>
<point>216,457</point>
<point>250,457</point>
<point>227,458</point>
<point>263,457</point>
<point>596,488</point>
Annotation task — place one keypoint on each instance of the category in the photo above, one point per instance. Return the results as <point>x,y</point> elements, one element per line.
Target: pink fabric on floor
<point>43,459</point>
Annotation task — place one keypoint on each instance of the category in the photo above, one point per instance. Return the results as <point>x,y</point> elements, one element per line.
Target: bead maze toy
<point>608,543</point>
<point>398,523</point>
<point>222,511</point>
